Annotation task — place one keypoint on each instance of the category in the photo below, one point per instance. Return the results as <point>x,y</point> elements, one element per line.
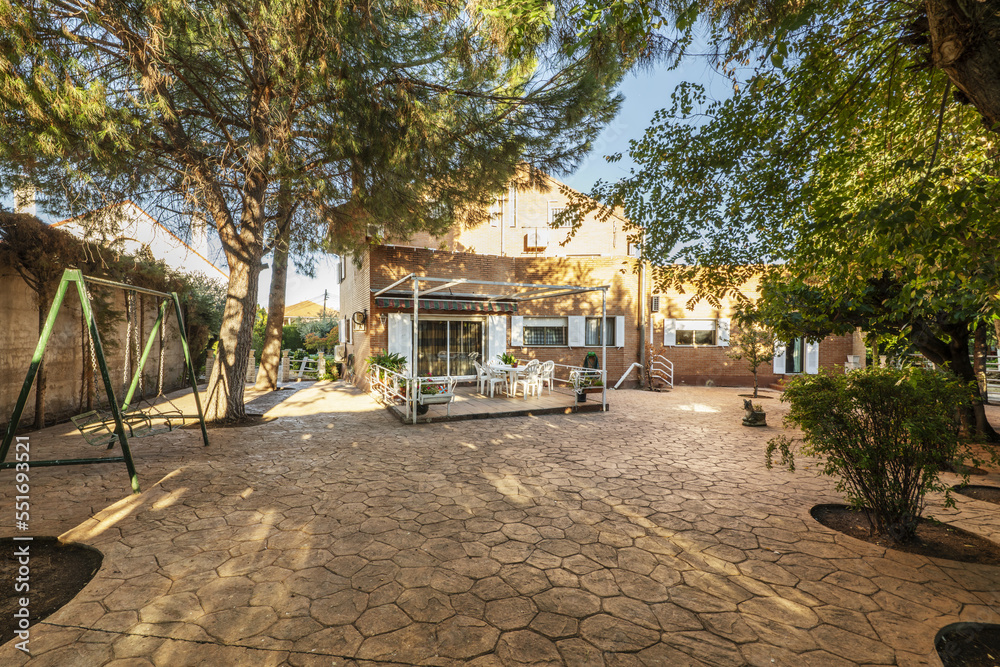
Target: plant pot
<point>593,390</point>
<point>422,409</point>
<point>755,419</point>
<point>581,397</point>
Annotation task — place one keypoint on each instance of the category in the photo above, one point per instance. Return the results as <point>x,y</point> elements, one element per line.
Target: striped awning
<point>448,304</point>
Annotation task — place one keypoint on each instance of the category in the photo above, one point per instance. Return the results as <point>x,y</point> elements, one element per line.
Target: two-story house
<point>519,245</point>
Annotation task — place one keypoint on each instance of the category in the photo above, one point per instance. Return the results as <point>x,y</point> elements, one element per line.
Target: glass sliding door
<point>465,339</point>
<point>432,355</point>
<point>447,347</point>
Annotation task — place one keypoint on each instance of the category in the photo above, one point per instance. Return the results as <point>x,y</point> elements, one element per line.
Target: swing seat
<point>98,427</point>
<point>93,426</point>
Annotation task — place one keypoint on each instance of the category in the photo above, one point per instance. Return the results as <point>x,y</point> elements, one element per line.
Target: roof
<point>74,224</point>
<point>305,309</point>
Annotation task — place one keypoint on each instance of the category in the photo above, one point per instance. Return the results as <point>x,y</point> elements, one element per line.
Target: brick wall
<point>66,357</point>
<point>692,365</point>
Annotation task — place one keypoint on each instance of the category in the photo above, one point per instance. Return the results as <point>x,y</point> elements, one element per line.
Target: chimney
<point>24,199</point>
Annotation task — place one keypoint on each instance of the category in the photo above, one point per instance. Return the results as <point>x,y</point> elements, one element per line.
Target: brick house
<point>519,245</point>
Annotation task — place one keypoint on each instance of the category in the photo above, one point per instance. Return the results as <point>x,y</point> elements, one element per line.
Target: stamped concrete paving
<point>650,535</point>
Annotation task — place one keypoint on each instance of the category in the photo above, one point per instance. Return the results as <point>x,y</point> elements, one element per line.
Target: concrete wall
<point>66,358</point>
<point>523,212</point>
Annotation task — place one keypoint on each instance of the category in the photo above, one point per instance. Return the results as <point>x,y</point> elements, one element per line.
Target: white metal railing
<point>992,378</point>
<point>571,375</point>
<point>662,368</point>
<point>388,386</point>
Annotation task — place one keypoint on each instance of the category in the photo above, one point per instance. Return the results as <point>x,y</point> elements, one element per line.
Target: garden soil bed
<point>990,494</point>
<point>969,645</point>
<point>935,540</point>
<point>56,573</point>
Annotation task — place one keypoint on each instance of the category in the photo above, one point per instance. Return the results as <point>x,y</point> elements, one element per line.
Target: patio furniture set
<point>530,378</point>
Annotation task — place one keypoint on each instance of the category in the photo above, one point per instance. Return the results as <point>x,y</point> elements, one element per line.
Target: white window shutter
<point>577,330</point>
<point>669,332</point>
<point>497,336</point>
<point>812,358</point>
<point>342,330</point>
<point>516,331</point>
<point>401,336</point>
<point>779,357</point>
<point>722,334</point>
<point>619,331</point>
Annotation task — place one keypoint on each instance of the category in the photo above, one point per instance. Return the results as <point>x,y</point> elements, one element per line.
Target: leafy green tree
<point>364,112</point>
<point>291,338</point>
<point>843,172</point>
<point>753,343</point>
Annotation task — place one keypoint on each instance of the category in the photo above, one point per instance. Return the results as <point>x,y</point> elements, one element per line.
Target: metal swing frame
<point>119,414</point>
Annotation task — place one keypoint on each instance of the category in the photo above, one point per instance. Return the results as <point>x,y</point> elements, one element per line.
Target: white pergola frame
<point>534,291</point>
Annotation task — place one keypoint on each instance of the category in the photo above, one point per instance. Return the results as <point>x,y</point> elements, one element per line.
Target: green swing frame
<point>119,414</point>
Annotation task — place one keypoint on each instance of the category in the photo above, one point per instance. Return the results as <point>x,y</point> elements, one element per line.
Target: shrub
<point>390,360</point>
<point>886,433</point>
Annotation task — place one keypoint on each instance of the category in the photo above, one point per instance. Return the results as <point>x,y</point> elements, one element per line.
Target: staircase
<point>661,369</point>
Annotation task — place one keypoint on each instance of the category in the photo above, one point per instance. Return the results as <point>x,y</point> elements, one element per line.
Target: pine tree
<point>384,118</point>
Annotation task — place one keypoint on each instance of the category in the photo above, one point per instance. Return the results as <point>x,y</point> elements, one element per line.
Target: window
<point>593,335</point>
<point>695,332</point>
<point>545,331</point>
<point>555,210</point>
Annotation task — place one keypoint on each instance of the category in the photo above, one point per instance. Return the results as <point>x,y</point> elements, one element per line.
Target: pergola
<point>472,296</point>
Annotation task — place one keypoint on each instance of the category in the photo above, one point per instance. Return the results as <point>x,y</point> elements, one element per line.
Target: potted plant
<point>587,385</point>
<point>755,415</point>
<point>432,393</point>
<point>508,359</point>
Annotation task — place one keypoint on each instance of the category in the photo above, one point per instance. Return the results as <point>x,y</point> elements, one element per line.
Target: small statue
<point>755,414</point>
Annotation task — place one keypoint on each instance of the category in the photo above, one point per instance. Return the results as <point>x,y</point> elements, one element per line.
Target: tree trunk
<point>270,357</point>
<point>979,361</point>
<point>244,250</point>
<point>227,383</point>
<point>965,44</point>
<point>755,383</point>
<point>955,356</point>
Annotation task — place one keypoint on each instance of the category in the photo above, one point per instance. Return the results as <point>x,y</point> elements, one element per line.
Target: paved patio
<point>649,535</point>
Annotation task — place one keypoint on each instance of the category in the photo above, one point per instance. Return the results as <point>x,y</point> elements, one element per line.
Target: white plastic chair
<point>482,377</point>
<point>496,377</point>
<point>530,381</point>
<point>548,375</point>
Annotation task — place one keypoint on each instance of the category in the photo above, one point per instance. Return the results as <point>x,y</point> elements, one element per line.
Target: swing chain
<point>159,385</point>
<point>135,340</point>
<point>128,338</point>
<point>90,341</point>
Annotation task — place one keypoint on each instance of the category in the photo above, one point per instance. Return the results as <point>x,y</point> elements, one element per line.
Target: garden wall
<point>67,358</point>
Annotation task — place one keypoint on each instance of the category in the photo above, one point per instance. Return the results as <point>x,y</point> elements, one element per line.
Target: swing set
<point>118,423</point>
